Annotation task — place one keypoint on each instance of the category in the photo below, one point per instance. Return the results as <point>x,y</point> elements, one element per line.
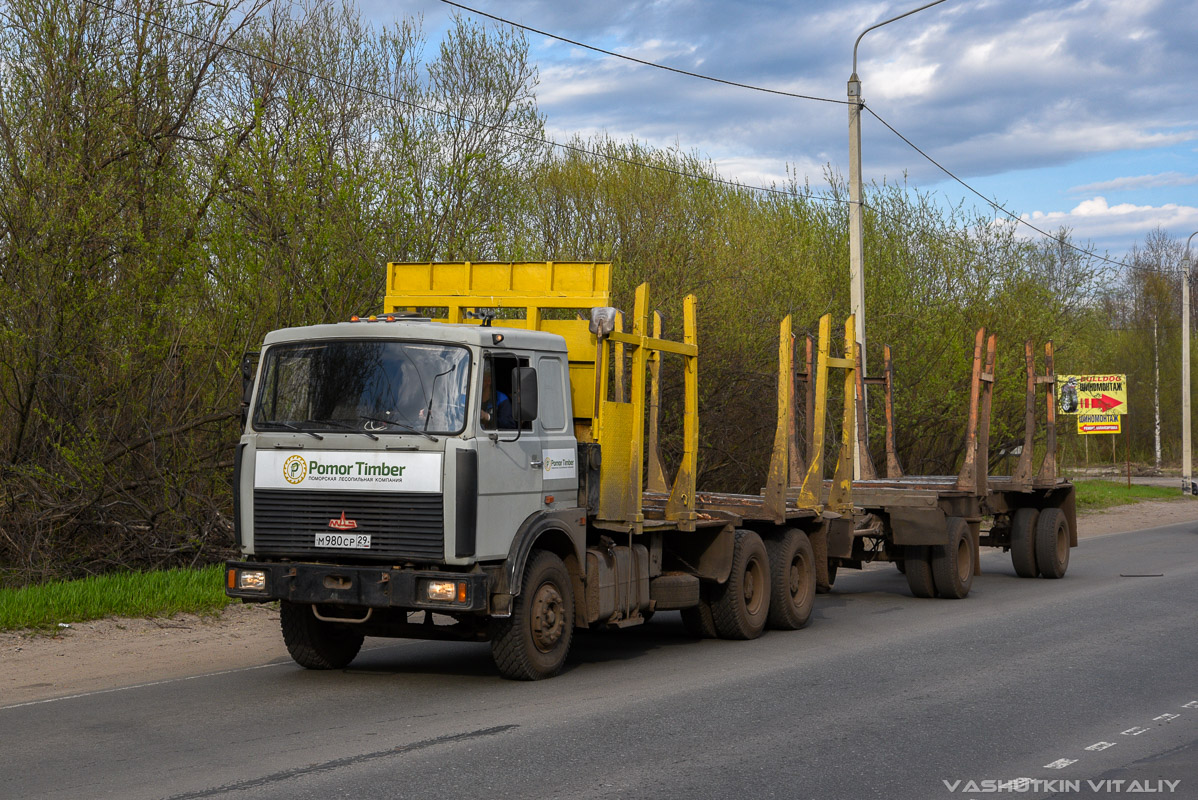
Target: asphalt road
<point>1077,683</point>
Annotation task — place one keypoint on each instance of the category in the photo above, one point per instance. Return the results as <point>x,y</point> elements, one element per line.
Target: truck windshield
<point>375,387</point>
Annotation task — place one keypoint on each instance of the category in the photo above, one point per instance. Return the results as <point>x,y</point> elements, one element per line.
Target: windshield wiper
<point>345,425</point>
<point>291,427</point>
<point>428,411</point>
<point>401,425</point>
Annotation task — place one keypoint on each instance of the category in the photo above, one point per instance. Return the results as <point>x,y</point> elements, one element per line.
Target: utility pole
<point>1186,455</point>
<point>856,258</point>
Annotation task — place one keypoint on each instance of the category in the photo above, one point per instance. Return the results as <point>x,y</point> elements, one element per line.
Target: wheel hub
<point>548,619</point>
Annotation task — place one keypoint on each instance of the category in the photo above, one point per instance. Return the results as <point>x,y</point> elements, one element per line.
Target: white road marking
<point>1098,746</point>
<point>1192,704</point>
<point>1166,717</point>
<point>1134,731</point>
<point>1060,763</point>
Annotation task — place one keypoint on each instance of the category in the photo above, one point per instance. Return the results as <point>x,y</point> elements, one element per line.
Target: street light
<point>856,261</point>
<point>1186,485</point>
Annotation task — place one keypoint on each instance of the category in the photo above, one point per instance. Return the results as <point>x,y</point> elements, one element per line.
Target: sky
<point>1073,113</point>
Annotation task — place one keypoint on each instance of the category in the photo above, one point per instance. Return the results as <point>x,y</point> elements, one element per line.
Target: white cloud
<point>1098,221</point>
<point>1138,182</point>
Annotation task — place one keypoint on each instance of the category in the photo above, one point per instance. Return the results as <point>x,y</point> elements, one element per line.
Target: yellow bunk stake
<point>681,505</point>
<point>840,496</point>
<point>779,475</point>
<point>656,481</point>
<point>813,484</point>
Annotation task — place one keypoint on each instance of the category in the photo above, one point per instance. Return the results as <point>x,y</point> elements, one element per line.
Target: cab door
<point>560,449</point>
<point>510,462</point>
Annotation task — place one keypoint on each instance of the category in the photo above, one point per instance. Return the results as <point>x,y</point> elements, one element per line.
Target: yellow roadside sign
<point>1099,423</point>
<point>1092,394</point>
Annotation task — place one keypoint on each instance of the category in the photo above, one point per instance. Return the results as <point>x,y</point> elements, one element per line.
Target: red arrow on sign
<point>1103,402</point>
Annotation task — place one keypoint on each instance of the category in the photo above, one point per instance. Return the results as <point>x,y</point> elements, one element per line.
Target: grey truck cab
<point>384,461</point>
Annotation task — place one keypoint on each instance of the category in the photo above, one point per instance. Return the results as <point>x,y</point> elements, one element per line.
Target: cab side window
<point>498,411</point>
<point>551,388</point>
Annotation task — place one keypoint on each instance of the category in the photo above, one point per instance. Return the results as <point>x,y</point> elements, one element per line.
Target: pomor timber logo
<point>295,469</point>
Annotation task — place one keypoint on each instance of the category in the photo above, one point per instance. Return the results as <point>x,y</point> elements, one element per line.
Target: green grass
<point>1104,494</point>
<point>124,594</point>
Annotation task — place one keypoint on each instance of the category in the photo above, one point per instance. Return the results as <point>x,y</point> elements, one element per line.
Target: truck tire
<point>1023,542</point>
<point>313,643</point>
<point>952,564</point>
<point>533,642</point>
<point>918,569</point>
<point>1052,543</point>
<point>697,619</point>
<point>741,605</point>
<point>673,590</point>
<point>792,580</point>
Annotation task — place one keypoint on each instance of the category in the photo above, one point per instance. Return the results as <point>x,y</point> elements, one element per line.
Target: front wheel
<point>533,642</point>
<point>314,643</point>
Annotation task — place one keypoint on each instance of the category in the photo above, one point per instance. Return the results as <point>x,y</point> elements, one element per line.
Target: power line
<point>1017,219</point>
<point>458,118</point>
<point>640,61</point>
<point>964,249</point>
<point>1011,215</point>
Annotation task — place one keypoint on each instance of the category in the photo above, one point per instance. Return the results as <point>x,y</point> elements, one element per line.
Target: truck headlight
<point>446,591</point>
<point>253,580</point>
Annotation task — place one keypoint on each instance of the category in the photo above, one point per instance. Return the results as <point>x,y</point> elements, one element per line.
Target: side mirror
<point>524,379</point>
<point>249,365</point>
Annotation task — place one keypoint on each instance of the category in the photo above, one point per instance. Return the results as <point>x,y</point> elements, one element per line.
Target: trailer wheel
<point>952,564</point>
<point>313,643</point>
<point>918,570</point>
<point>1052,543</point>
<point>533,642</point>
<point>741,605</point>
<point>1023,541</point>
<point>697,619</point>
<point>792,580</point>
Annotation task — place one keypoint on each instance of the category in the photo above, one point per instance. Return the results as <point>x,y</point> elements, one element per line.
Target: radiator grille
<point>408,526</point>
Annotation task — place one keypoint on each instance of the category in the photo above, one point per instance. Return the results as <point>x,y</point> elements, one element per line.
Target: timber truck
<point>480,462</point>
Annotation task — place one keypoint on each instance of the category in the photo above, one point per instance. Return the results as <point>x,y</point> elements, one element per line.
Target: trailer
<point>933,527</point>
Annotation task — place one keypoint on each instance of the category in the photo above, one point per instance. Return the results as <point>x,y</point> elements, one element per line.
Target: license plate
<point>352,541</point>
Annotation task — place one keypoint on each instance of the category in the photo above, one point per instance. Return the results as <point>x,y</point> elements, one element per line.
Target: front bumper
<point>371,587</point>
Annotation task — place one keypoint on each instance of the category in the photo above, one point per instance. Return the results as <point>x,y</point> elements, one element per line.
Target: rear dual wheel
<point>1023,541</point>
<point>792,580</point>
<point>918,563</point>
<point>1052,543</point>
<point>942,570</point>
<point>1040,542</point>
<point>740,606</point>
<point>952,564</point>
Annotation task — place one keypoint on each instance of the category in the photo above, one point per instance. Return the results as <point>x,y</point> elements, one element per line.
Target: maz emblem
<point>343,524</point>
